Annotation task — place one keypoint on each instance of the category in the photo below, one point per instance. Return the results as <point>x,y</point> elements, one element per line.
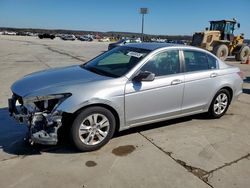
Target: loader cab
<point>226,27</point>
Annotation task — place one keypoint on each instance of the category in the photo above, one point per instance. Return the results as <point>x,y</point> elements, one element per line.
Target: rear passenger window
<point>196,61</point>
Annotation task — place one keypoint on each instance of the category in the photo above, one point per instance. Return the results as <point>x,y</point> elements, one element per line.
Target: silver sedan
<point>128,86</point>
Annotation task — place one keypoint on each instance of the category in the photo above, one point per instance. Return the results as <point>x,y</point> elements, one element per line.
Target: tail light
<point>241,74</point>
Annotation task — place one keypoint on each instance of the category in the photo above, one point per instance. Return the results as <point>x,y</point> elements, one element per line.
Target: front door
<point>156,100</point>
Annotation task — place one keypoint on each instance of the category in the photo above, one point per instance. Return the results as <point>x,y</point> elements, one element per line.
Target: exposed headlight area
<point>41,115</point>
<point>44,103</point>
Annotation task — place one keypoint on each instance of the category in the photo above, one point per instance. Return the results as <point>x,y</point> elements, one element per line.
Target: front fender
<point>116,104</point>
<point>69,108</point>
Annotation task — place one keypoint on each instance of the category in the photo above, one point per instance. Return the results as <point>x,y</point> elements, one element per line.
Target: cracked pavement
<point>186,152</point>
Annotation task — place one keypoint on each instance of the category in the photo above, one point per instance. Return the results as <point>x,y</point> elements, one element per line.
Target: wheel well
<point>111,109</point>
<point>229,89</point>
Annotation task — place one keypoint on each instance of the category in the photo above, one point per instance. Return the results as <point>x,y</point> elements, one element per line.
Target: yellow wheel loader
<point>220,40</point>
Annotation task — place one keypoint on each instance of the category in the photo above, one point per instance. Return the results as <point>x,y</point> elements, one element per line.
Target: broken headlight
<point>44,103</point>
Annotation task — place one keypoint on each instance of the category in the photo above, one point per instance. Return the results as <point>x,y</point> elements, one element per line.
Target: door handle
<point>213,75</point>
<point>176,82</point>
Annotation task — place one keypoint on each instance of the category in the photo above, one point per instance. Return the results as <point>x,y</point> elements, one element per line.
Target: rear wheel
<point>243,54</point>
<point>92,128</point>
<point>219,104</point>
<point>221,51</point>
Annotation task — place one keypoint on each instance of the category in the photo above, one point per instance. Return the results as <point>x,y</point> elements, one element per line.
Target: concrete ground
<point>187,152</point>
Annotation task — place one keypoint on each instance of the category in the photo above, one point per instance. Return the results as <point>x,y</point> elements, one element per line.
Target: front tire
<point>92,128</point>
<point>220,104</point>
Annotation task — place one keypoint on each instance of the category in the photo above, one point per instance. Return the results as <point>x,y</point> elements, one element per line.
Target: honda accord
<point>127,86</point>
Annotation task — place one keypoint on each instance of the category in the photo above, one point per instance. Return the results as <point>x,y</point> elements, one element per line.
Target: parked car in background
<point>85,38</point>
<point>175,41</point>
<point>105,39</point>
<point>46,36</point>
<point>160,40</point>
<point>25,33</point>
<point>127,86</point>
<point>123,42</point>
<point>68,37</point>
<point>9,33</point>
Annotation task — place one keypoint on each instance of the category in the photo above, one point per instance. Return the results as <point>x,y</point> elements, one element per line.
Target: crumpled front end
<point>40,114</point>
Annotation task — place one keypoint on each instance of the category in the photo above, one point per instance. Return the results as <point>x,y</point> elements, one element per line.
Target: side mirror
<point>144,76</point>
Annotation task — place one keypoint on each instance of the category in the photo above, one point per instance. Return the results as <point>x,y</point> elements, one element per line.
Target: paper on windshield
<point>135,54</point>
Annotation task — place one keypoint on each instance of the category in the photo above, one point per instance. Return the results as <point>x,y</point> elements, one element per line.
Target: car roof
<point>155,45</point>
<point>151,45</point>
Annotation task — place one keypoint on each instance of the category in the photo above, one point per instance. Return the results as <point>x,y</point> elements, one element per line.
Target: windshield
<point>116,62</point>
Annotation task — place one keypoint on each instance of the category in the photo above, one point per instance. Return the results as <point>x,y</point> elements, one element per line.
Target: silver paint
<point>164,98</point>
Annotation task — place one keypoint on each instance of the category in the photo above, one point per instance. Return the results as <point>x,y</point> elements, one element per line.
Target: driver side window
<point>164,63</point>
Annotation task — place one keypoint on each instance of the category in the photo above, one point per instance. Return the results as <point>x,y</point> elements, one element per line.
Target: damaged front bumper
<point>43,121</point>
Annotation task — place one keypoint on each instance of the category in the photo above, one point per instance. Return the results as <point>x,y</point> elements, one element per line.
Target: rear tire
<point>220,104</point>
<point>243,54</point>
<point>221,51</point>
<point>92,128</point>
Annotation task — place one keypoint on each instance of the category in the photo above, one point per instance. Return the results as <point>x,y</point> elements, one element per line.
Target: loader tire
<point>243,54</point>
<point>221,51</point>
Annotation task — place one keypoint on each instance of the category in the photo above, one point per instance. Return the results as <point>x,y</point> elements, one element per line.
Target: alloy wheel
<point>94,129</point>
<point>220,103</point>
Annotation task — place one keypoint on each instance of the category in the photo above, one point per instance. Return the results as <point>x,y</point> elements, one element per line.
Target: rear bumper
<point>236,95</point>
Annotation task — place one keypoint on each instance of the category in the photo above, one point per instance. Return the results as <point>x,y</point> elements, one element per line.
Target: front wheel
<point>92,128</point>
<point>219,104</point>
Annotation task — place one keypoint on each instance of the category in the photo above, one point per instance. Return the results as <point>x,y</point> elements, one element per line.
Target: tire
<point>87,131</point>
<point>218,108</point>
<point>243,54</point>
<point>221,51</point>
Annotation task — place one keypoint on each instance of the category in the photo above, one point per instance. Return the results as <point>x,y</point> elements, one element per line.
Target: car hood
<point>53,78</point>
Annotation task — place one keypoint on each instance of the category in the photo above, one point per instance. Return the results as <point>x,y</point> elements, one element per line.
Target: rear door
<point>201,73</point>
